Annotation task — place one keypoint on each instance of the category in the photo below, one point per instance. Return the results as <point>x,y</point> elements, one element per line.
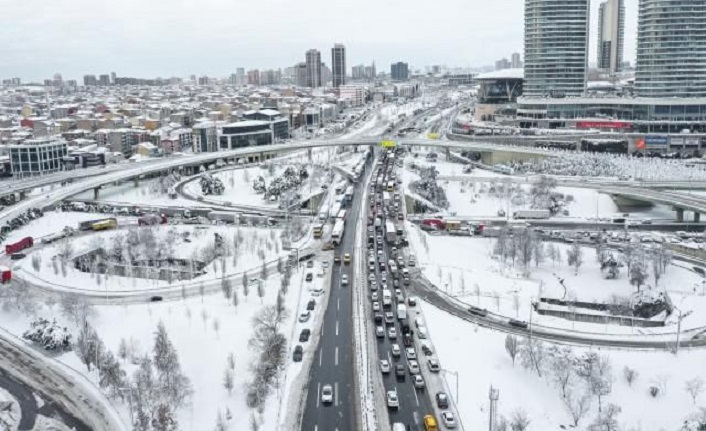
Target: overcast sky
<point>149,38</point>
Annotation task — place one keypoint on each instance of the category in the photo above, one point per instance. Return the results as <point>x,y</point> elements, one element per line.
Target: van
<point>430,423</point>
<point>398,426</point>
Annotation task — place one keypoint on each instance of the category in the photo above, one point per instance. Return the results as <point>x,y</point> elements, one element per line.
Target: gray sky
<point>148,38</point>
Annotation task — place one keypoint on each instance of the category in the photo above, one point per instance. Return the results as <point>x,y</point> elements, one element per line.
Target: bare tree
<point>261,289</point>
<point>228,380</point>
<point>574,256</point>
<point>606,420</point>
<point>221,424</point>
<point>694,387</point>
<point>519,421</point>
<point>511,347</point>
<point>533,354</point>
<point>577,405</point>
<point>596,370</point>
<point>231,361</point>
<point>76,309</point>
<point>235,300</point>
<point>561,367</point>
<point>216,325</point>
<point>630,375</point>
<point>638,273</point>
<point>227,288</point>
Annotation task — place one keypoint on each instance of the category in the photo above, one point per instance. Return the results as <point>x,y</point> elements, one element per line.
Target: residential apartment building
<point>338,65</point>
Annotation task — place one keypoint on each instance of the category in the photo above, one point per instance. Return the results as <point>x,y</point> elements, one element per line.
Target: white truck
<point>401,312</point>
<point>531,214</point>
<point>390,232</point>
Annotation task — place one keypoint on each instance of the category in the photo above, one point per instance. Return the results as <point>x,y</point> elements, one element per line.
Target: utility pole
<point>681,317</point>
<point>493,395</point>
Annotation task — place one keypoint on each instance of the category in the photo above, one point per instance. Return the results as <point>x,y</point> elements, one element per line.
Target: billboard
<point>597,124</point>
<point>656,141</point>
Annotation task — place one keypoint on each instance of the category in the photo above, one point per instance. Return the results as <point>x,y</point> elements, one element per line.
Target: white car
<point>327,394</point>
<point>374,285</point>
<point>304,317</point>
<point>344,280</point>
<point>371,277</point>
<point>392,333</point>
<point>449,419</point>
<point>374,296</point>
<point>384,366</point>
<point>395,350</point>
<point>392,401</point>
<point>325,264</point>
<point>379,331</point>
<point>413,367</point>
<point>411,354</point>
<point>376,306</point>
<point>418,381</point>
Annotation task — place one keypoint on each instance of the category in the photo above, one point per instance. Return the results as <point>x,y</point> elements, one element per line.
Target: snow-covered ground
<point>256,248</point>
<point>204,330</point>
<point>479,357</point>
<point>146,192</point>
<point>465,268</point>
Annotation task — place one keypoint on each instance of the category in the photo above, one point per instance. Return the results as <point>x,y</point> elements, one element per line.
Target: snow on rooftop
<point>247,123</point>
<point>517,73</point>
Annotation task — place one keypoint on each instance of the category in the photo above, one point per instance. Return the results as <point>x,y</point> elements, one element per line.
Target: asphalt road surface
<point>333,361</point>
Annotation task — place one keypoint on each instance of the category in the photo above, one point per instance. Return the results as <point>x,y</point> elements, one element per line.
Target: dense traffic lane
<point>333,361</point>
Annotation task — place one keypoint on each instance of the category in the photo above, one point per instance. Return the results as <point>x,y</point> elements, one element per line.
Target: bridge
<point>95,178</point>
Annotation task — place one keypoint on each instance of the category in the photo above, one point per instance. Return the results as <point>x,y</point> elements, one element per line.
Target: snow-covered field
<point>256,247</point>
<point>479,357</point>
<point>465,268</point>
<point>204,330</point>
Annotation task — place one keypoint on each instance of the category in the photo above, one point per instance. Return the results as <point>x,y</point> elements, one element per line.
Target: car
<point>309,276</point>
<point>374,296</point>
<point>310,305</point>
<point>412,301</point>
<point>410,353</point>
<point>376,306</point>
<point>442,400</point>
<point>336,259</point>
<point>317,291</point>
<point>298,354</point>
<point>400,217</point>
<point>433,365</point>
<point>400,371</point>
<point>156,298</point>
<point>392,401</point>
<point>398,296</point>
<point>371,277</point>
<point>418,381</point>
<point>395,350</point>
<point>373,285</point>
<point>426,348</point>
<point>327,394</point>
<point>449,419</point>
<point>347,258</point>
<point>344,280</point>
<point>384,366</point>
<point>304,317</point>
<point>389,317</point>
<point>379,331</point>
<point>328,246</point>
<point>17,256</point>
<point>411,261</point>
<point>325,264</point>
<point>304,336</point>
<point>370,227</point>
<point>413,366</point>
<point>372,267</point>
<point>310,263</point>
<point>400,261</point>
<point>392,333</point>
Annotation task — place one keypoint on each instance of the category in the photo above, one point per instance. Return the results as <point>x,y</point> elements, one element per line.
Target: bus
<point>341,215</point>
<point>390,186</point>
<point>110,223</point>
<point>337,233</point>
<point>318,230</point>
<point>349,194</point>
<point>335,210</point>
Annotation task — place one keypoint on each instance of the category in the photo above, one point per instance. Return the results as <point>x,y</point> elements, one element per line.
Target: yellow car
<point>347,258</point>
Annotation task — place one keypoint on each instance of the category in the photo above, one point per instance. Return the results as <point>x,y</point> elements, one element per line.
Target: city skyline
<point>144,45</point>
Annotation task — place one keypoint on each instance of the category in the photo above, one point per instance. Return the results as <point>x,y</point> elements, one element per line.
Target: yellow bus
<point>318,230</point>
<point>105,224</point>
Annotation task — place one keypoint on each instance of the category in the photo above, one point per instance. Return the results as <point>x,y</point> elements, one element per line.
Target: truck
<point>452,225</point>
<point>531,214</point>
<point>152,219</point>
<point>110,223</point>
<point>20,245</point>
<point>386,200</point>
<point>224,216</point>
<point>401,312</point>
<point>433,224</point>
<point>88,224</point>
<point>335,210</point>
<point>349,194</point>
<point>337,233</point>
<point>390,232</point>
<point>318,230</point>
<point>5,274</point>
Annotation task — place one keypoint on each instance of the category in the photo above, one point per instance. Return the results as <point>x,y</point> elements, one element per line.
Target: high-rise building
<point>300,75</point>
<point>326,74</point>
<point>556,47</point>
<point>338,64</point>
<point>113,75</point>
<point>104,80</point>
<point>253,77</point>
<point>313,68</point>
<point>502,64</point>
<point>358,72</point>
<point>399,71</point>
<point>611,28</point>
<point>671,49</point>
<point>515,61</point>
<point>90,80</point>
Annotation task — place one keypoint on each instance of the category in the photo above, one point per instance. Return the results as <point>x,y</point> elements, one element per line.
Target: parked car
<point>433,365</point>
<point>310,305</point>
<point>298,354</point>
<point>304,336</point>
<point>449,419</point>
<point>442,400</point>
<point>304,317</point>
<point>309,276</point>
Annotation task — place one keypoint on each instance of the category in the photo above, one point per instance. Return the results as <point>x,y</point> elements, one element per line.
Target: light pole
<point>455,374</point>
<point>681,316</point>
<point>493,395</point>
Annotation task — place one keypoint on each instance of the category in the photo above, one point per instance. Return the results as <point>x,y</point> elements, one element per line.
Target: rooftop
<point>518,73</point>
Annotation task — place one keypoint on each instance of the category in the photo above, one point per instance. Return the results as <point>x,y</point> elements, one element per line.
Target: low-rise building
<point>37,157</point>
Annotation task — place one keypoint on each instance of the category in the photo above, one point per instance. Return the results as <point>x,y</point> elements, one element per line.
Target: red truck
<point>5,274</point>
<point>434,224</point>
<point>20,245</point>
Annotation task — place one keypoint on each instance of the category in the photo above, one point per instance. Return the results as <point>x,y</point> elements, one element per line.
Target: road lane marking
<point>336,393</point>
<point>336,355</point>
<point>416,417</point>
<point>318,395</point>
<point>322,330</point>
<point>320,356</point>
<point>415,394</point>
<point>338,304</point>
<point>337,328</point>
